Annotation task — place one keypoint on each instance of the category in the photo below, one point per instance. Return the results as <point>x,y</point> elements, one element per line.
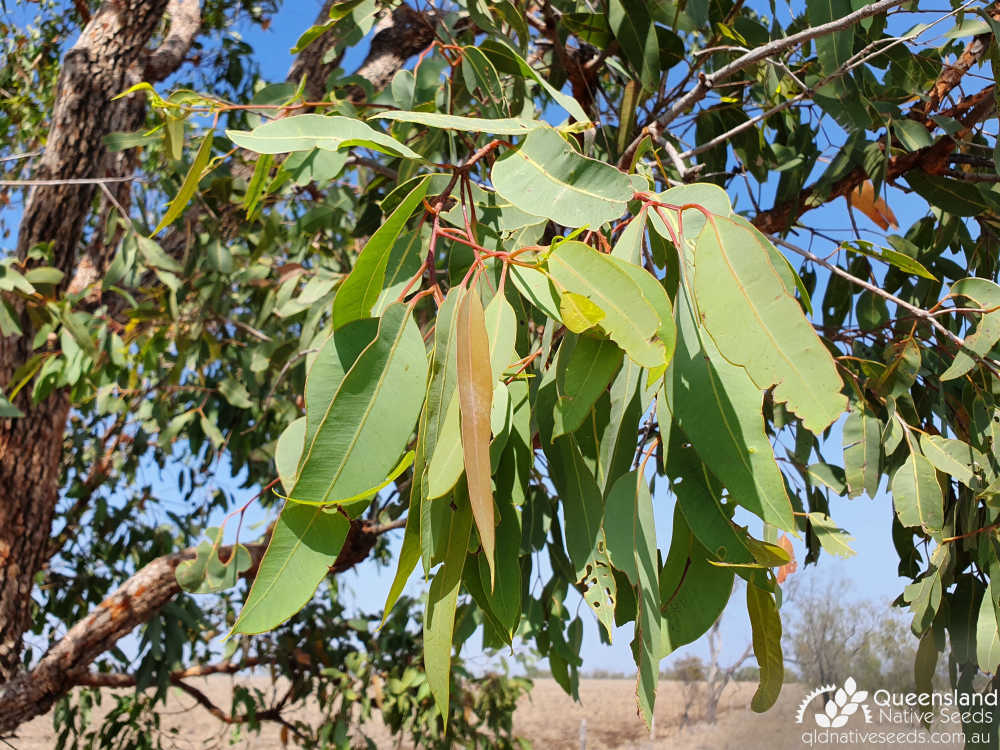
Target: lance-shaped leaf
<point>629,318</point>
<point>988,634</point>
<point>362,429</point>
<point>439,619</point>
<point>585,368</point>
<point>305,132</point>
<point>189,186</point>
<point>986,295</point>
<point>501,330</point>
<point>765,624</point>
<point>546,177</point>
<point>693,591</point>
<point>500,126</point>
<point>654,293</point>
<point>955,458</point>
<point>916,493</point>
<point>305,543</point>
<point>862,450</point>
<point>631,540</point>
<point>475,393</point>
<point>757,324</point>
<point>719,409</point>
<point>440,384</point>
<point>360,290</point>
<point>288,451</point>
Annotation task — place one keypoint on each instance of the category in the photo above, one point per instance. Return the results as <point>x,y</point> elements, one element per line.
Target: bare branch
<point>185,23</point>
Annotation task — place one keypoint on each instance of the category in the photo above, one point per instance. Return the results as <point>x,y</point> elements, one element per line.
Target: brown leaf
<point>475,396</point>
<point>873,206</point>
<point>791,566</point>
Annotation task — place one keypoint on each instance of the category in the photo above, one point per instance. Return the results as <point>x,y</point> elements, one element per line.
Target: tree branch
<point>185,23</point>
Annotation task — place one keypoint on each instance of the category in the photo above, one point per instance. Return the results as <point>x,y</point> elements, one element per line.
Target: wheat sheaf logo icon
<point>842,706</point>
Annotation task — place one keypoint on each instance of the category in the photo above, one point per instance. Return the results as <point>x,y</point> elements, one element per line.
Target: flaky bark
<point>95,70</point>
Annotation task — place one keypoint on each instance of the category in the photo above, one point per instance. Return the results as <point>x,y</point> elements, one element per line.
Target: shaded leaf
<point>305,132</point>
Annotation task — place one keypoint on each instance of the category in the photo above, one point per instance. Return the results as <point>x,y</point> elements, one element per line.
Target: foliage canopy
<point>531,270</point>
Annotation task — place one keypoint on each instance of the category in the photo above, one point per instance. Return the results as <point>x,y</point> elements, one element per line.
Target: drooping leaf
<point>893,257</point>
<point>501,332</point>
<point>766,626</point>
<point>986,295</point>
<point>582,376</point>
<point>362,287</point>
<point>916,493</point>
<point>692,590</point>
<point>475,392</point>
<point>288,451</point>
<point>439,619</point>
<point>719,409</point>
<point>862,450</point>
<point>305,132</point>
<point>757,324</point>
<point>546,177</point>
<point>631,540</point>
<point>303,546</point>
<point>189,186</point>
<point>363,427</point>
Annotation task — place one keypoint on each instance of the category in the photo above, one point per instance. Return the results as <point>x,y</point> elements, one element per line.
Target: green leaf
<point>629,318</point>
<point>362,287</point>
<point>475,392</point>
<point>987,634</point>
<point>954,196</point>
<point>44,275</point>
<point>757,324</point>
<point>835,48</point>
<point>916,492</point>
<point>719,409</point>
<point>235,393</point>
<point>829,476</point>
<point>986,295</point>
<point>305,132</point>
<point>631,540</point>
<point>766,626</point>
<point>862,438</point>
<point>303,546</point>
<point>502,126</point>
<point>288,451</point>
<point>8,410</point>
<point>693,590</point>
<point>188,187</point>
<point>955,458</point>
<point>546,177</point>
<point>893,257</point>
<point>636,34</point>
<point>439,620</point>
<point>585,368</point>
<point>578,313</point>
<point>501,331</point>
<point>207,574</point>
<point>834,540</point>
<point>363,427</point>
<point>507,60</point>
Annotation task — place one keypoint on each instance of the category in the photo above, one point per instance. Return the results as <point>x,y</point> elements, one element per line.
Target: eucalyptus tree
<point>523,265</point>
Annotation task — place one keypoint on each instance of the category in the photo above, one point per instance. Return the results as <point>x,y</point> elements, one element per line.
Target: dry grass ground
<point>547,717</point>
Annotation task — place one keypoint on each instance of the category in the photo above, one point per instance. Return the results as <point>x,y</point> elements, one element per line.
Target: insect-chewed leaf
<point>207,573</point>
<point>361,289</point>
<point>358,424</point>
<point>757,324</point>
<point>475,392</point>
<point>305,543</point>
<point>719,409</point>
<point>629,318</point>
<point>305,132</point>
<point>546,177</point>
